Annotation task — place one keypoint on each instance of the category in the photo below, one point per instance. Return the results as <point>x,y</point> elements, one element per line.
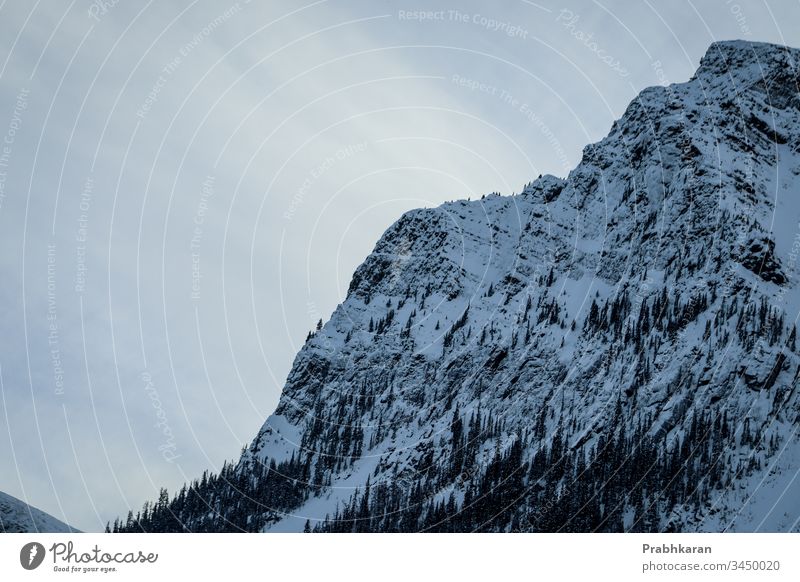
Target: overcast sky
<point>187,186</point>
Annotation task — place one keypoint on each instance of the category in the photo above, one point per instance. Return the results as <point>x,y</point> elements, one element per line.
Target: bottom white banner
<point>420,557</point>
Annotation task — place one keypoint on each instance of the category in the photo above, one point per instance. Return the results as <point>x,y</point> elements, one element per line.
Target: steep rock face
<point>610,351</point>
<point>649,289</point>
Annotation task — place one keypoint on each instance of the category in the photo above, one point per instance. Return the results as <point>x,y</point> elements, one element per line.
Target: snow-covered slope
<point>687,195</point>
<point>16,516</point>
<point>611,351</point>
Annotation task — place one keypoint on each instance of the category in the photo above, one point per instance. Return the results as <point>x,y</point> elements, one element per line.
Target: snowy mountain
<point>613,351</point>
<point>16,516</point>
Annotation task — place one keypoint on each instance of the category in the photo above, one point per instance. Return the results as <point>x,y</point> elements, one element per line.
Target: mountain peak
<point>743,62</point>
<point>496,360</point>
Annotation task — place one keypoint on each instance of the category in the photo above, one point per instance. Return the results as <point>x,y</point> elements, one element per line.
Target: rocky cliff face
<point>610,351</point>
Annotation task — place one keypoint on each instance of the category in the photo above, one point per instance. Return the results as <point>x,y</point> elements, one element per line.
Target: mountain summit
<point>612,351</point>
